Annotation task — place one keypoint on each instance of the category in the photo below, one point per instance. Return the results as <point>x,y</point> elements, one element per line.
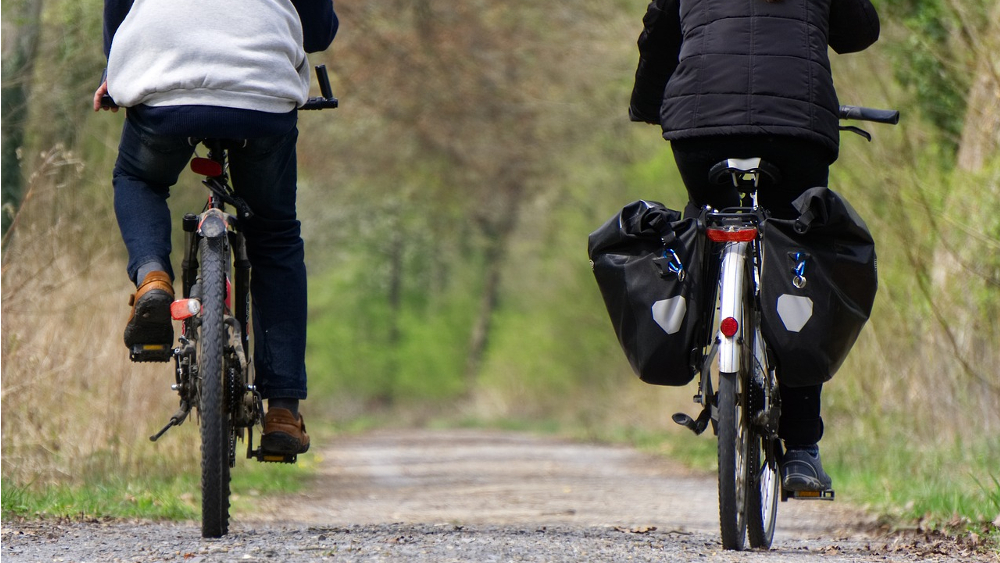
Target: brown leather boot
<point>284,433</point>
<point>150,322</point>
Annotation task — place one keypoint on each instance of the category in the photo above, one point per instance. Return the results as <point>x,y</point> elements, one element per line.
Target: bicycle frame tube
<point>731,304</point>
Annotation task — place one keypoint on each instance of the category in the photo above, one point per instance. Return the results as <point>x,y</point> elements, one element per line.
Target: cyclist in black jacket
<point>751,78</point>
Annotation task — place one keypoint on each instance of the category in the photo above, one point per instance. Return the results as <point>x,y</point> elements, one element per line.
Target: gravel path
<point>476,495</point>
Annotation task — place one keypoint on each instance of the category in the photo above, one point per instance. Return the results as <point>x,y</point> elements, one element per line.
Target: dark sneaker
<point>801,470</point>
<point>284,434</point>
<point>150,322</point>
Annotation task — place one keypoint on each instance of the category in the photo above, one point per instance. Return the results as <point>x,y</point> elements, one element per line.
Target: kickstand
<point>695,425</point>
<point>176,420</point>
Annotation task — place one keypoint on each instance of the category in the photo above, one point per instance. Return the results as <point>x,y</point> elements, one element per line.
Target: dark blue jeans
<point>264,174</point>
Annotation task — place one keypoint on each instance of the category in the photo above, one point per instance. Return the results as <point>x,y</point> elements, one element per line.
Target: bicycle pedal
<point>827,495</point>
<point>151,353</point>
<point>265,457</point>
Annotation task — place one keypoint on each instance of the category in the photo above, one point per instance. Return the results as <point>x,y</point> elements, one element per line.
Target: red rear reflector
<point>741,235</point>
<point>184,308</point>
<point>729,327</point>
<point>206,167</point>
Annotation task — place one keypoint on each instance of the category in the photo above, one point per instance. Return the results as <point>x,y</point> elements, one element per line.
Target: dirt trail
<point>491,477</point>
<point>480,495</point>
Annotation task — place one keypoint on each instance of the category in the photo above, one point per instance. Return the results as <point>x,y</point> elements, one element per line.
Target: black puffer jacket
<point>720,67</point>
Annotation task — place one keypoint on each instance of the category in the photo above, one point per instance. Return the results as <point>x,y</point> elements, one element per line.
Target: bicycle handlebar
<point>325,101</point>
<point>889,116</point>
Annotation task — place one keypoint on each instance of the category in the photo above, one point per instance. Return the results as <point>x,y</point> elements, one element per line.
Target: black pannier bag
<point>818,284</point>
<point>648,265</point>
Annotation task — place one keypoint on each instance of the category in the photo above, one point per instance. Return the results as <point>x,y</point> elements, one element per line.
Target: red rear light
<point>206,167</point>
<point>184,309</point>
<point>739,235</point>
<point>729,327</point>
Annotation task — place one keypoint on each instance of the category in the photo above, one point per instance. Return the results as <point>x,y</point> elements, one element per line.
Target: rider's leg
<point>800,422</point>
<point>801,428</point>
<point>264,172</point>
<point>148,164</point>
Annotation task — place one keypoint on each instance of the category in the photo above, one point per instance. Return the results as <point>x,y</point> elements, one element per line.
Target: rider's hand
<point>100,94</point>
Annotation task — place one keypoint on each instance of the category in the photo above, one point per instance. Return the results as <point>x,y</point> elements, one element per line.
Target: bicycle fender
<point>731,305</point>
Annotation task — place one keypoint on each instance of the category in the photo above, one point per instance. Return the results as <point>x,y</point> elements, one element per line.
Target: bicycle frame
<point>744,409</point>
<point>215,224</point>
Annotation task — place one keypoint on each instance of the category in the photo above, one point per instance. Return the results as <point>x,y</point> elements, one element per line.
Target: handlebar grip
<point>320,103</point>
<point>324,81</point>
<point>889,116</point>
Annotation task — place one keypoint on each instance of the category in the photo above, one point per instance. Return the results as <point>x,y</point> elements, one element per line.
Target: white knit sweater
<point>232,53</point>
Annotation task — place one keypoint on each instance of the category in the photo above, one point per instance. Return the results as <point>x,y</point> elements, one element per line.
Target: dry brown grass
<point>75,409</point>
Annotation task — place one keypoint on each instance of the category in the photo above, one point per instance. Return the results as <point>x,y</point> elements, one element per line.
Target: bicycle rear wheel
<point>214,417</point>
<point>762,502</point>
<point>734,441</point>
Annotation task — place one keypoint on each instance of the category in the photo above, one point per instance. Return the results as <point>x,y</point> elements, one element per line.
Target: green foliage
<point>925,62</point>
<point>376,339</point>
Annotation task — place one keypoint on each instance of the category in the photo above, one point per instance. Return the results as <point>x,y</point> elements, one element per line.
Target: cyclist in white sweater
<point>229,69</point>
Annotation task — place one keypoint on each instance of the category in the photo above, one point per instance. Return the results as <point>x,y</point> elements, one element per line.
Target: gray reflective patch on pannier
<point>795,311</point>
<point>669,313</point>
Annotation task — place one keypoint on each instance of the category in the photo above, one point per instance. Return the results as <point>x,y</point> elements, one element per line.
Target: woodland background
<point>446,207</point>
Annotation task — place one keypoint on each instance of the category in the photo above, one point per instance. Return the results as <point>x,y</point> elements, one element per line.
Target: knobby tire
<point>211,407</point>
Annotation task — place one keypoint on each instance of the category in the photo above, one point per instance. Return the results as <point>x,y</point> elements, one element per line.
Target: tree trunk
<point>499,235</point>
<point>981,131</point>
<point>18,63</point>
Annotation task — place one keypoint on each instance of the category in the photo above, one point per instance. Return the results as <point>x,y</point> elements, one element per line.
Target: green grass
<point>939,485</point>
<point>158,498</point>
<point>112,499</point>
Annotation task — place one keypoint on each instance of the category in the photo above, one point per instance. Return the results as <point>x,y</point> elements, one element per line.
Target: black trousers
<point>803,165</point>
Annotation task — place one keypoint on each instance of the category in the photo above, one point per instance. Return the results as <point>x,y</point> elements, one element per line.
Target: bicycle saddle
<point>743,171</point>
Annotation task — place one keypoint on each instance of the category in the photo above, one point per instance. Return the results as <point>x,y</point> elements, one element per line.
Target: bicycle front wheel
<point>211,406</point>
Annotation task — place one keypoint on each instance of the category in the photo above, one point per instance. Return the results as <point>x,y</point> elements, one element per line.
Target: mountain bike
<point>213,372</point>
<point>743,405</point>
